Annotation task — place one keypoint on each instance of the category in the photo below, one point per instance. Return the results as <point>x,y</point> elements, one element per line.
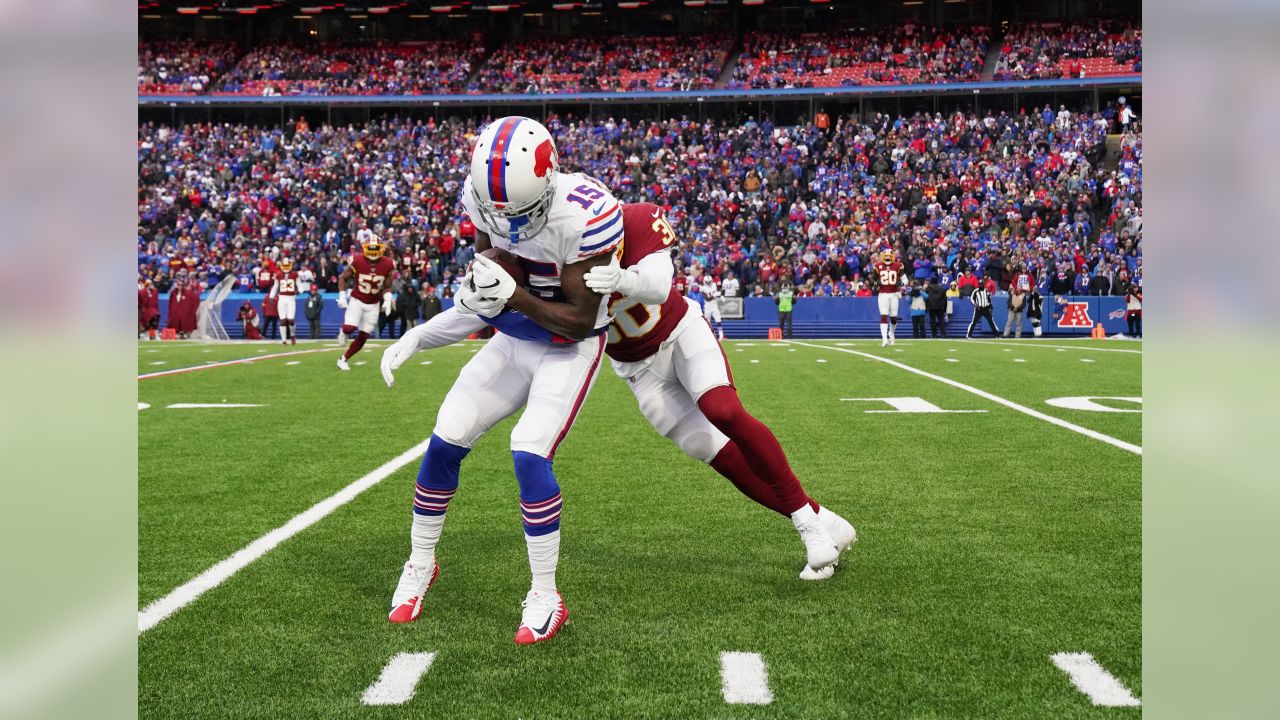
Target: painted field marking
<point>821,360</point>
<point>1115,442</point>
<point>426,362</point>
<point>160,362</point>
<point>188,592</point>
<point>1019,360</point>
<point>952,360</point>
<point>845,344</point>
<point>1038,344</point>
<point>224,363</point>
<point>203,406</point>
<point>399,679</point>
<point>755,362</point>
<point>294,362</point>
<point>746,344</point>
<point>1090,678</point>
<point>907,405</point>
<point>143,406</point>
<point>360,362</point>
<point>1086,360</point>
<point>791,349</point>
<point>1086,402</point>
<point>744,679</point>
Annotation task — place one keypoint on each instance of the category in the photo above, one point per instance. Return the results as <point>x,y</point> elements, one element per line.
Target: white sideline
<point>1038,344</point>
<point>399,679</point>
<point>1115,442</point>
<point>1101,687</point>
<point>745,679</point>
<point>188,592</point>
<point>225,363</point>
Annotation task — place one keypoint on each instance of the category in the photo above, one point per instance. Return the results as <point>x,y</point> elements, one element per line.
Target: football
<point>509,262</point>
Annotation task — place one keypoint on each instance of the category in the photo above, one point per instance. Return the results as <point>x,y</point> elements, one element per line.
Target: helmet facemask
<point>524,221</point>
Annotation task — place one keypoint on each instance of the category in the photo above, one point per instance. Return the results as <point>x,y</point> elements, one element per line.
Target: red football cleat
<point>406,603</point>
<point>544,615</point>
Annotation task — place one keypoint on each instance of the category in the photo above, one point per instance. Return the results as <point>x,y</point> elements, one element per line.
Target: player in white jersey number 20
<point>559,225</point>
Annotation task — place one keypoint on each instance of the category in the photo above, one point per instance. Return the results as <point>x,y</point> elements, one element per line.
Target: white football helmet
<point>513,175</point>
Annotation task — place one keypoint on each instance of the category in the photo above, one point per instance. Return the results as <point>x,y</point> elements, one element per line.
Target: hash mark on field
<point>1101,437</point>
<point>952,360</point>
<point>190,591</point>
<point>1090,678</point>
<point>399,679</point>
<point>1019,360</point>
<point>821,360</point>
<point>755,362</point>
<point>359,362</point>
<point>143,406</point>
<point>1085,360</point>
<point>791,349</point>
<point>426,362</point>
<point>159,362</point>
<point>294,362</point>
<point>744,679</point>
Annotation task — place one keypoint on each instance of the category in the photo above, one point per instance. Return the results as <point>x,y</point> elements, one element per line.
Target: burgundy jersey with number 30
<point>637,329</point>
<point>369,275</point>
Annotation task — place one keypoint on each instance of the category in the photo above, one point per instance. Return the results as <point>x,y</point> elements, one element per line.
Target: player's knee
<point>348,329</point>
<point>884,318</point>
<point>698,440</point>
<point>721,406</point>
<point>440,464</point>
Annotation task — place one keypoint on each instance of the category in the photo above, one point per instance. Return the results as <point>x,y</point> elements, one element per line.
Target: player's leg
<point>893,317</point>
<point>973,321</point>
<point>367,319</point>
<point>701,367</point>
<point>882,301</point>
<point>990,316</point>
<point>561,377</point>
<point>490,387</point>
<point>1035,327</point>
<point>718,322</point>
<point>351,318</point>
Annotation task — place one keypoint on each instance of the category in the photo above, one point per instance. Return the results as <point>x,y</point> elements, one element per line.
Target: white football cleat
<point>342,363</point>
<point>819,547</point>
<point>406,602</point>
<point>842,533</point>
<point>892,339</point>
<point>544,614</point>
<point>884,342</point>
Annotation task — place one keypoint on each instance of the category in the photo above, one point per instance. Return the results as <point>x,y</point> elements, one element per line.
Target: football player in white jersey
<point>711,304</point>
<point>559,225</point>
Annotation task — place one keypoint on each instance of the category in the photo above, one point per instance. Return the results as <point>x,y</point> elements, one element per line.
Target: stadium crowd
<point>1080,49</point>
<point>962,198</point>
<point>619,64</point>
<point>907,54</point>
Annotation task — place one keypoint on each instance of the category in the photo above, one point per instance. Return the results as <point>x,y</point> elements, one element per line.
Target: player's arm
<point>343,279</point>
<point>648,281</point>
<point>443,329</point>
<point>275,288</point>
<point>575,318</point>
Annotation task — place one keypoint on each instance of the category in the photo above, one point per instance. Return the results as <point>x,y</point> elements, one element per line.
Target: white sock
<point>884,331</point>
<point>424,534</point>
<point>803,515</point>
<point>544,556</point>
<point>284,332</point>
<point>892,327</point>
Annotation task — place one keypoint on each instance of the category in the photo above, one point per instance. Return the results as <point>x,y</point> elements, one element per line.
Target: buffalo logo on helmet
<point>544,158</point>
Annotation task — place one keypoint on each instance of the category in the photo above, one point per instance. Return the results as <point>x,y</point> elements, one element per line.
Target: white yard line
<point>1038,344</point>
<point>399,679</point>
<point>187,593</point>
<point>744,678</point>
<point>225,363</point>
<point>1115,442</point>
<point>207,406</point>
<point>1090,678</point>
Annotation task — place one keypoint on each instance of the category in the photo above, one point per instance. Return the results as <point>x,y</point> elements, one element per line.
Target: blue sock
<point>438,477</point>
<point>540,501</point>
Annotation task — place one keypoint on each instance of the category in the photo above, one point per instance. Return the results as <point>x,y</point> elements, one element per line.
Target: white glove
<point>387,304</point>
<point>396,355</point>
<point>611,278</point>
<point>342,300</point>
<point>490,280</point>
<point>470,302</point>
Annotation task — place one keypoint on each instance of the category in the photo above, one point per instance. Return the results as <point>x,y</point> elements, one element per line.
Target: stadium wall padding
<point>842,317</point>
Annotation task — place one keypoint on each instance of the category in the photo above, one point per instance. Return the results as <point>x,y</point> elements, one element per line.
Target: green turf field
<point>988,541</point>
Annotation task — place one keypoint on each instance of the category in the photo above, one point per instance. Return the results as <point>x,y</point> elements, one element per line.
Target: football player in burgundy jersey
<point>286,287</point>
<point>371,271</point>
<point>660,342</point>
<point>889,272</point>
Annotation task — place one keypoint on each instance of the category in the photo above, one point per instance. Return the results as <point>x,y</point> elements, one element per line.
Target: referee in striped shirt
<point>981,309</point>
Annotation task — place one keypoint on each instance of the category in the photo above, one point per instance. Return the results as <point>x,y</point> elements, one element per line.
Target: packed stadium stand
<point>899,56</point>
<point>1080,49</point>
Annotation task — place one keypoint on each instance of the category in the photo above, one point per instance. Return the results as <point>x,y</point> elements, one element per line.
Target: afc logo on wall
<point>1074,315</point>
